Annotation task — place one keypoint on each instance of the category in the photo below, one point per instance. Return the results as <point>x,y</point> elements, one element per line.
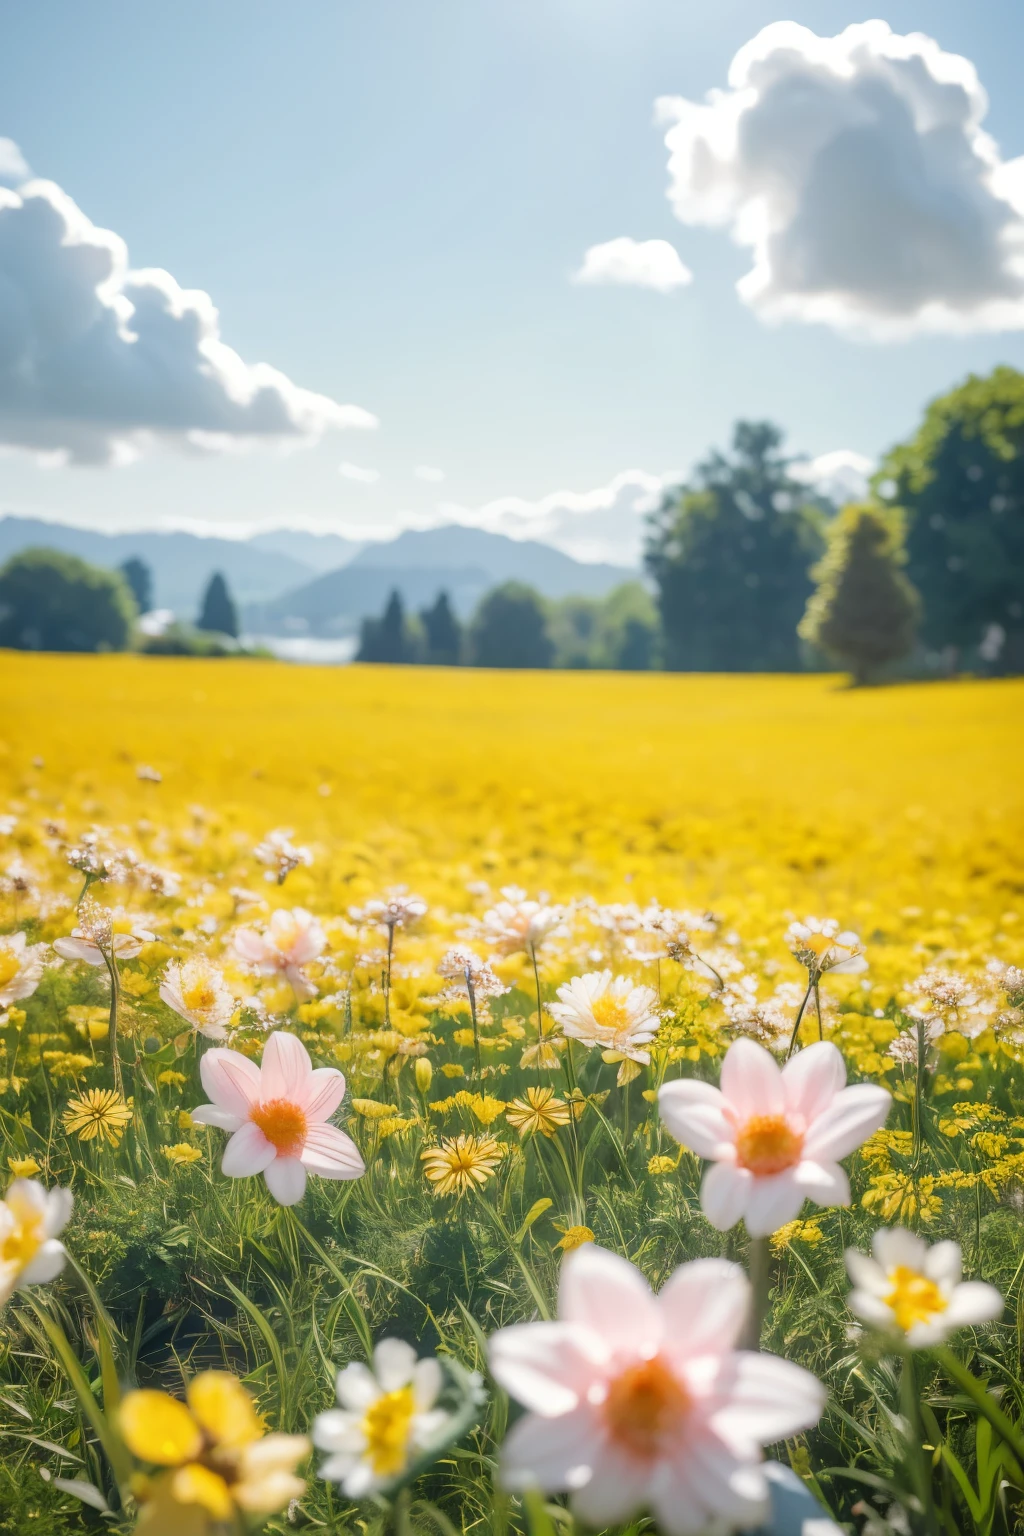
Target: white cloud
<point>98,360</point>
<point>428,472</point>
<point>360,475</point>
<point>856,171</point>
<point>14,167</point>
<point>841,476</point>
<point>634,263</point>
<point>606,524</point>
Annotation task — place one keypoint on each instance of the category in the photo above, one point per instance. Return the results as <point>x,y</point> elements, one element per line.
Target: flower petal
<point>616,1489</point>
<point>59,1204</point>
<point>944,1263</point>
<point>357,1387</point>
<point>865,1272</point>
<point>813,1078</point>
<point>286,1069</point>
<point>751,1080</point>
<point>46,1265</point>
<point>724,1194</point>
<point>337,1430</point>
<point>212,1114</point>
<point>325,1092</point>
<point>548,1367</point>
<point>850,1119</point>
<point>824,1183</point>
<point>971,1303</point>
<point>761,1399</point>
<point>895,1246</point>
<point>393,1364</point>
<point>610,1297</point>
<point>552,1454</point>
<point>286,1180</point>
<point>247,1153</point>
<point>231,1080</point>
<point>330,1154</point>
<point>704,1306</point>
<point>694,1113</point>
<point>772,1202</point>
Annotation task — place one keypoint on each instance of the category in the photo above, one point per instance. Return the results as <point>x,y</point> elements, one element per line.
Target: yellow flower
<point>23,1167</point>
<point>796,1231</point>
<point>101,1112</point>
<point>394,1125</point>
<point>171,1079</point>
<point>423,1073</point>
<point>218,1461</point>
<point>573,1237</point>
<point>372,1109</point>
<point>453,1069</point>
<point>67,1063</point>
<point>900,1196</point>
<point>487,1109</point>
<point>185,1121</point>
<point>182,1153</point>
<point>661,1164</point>
<point>461,1163</point>
<point>540,1112</point>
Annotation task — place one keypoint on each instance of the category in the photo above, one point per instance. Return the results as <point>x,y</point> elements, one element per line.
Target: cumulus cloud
<point>97,360</point>
<point>840,476</point>
<point>606,524</point>
<point>634,263</point>
<point>856,171</point>
<point>429,472</point>
<point>357,473</point>
<point>14,167</point>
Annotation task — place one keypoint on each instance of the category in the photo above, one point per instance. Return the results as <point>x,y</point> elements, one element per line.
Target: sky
<point>373,264</point>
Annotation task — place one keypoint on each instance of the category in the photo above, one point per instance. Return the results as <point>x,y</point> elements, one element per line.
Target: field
<point>672,829</point>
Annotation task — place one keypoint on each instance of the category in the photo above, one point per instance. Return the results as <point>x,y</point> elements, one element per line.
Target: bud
<point>424,1073</point>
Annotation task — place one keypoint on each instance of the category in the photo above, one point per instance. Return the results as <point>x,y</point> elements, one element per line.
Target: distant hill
<point>181,563</point>
<point>464,562</point>
<point>320,551</point>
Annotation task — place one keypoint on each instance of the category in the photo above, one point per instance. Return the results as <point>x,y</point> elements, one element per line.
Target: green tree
<point>389,638</point>
<point>865,611</point>
<point>442,633</point>
<point>140,579</point>
<point>618,631</point>
<point>509,629</point>
<point>218,612</point>
<point>960,480</point>
<point>730,554</point>
<point>50,601</point>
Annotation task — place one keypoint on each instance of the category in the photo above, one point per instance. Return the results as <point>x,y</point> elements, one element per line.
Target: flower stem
<point>387,976</point>
<point>476,1027</point>
<point>920,1468</point>
<point>115,995</point>
<point>759,1263</point>
<point>799,1018</point>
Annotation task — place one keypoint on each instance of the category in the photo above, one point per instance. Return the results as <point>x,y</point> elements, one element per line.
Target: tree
<point>387,639</point>
<point>730,554</point>
<point>509,629</point>
<point>865,611</point>
<point>140,579</point>
<point>442,633</point>
<point>960,481</point>
<point>50,601</point>
<point>218,611</point>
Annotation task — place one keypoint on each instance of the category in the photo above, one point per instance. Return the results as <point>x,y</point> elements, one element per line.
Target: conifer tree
<point>218,611</point>
<point>443,633</point>
<point>864,612</point>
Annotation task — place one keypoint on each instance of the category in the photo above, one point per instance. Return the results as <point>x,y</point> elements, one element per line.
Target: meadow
<point>406,874</point>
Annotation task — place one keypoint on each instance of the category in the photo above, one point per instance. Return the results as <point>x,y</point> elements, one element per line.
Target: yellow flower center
<point>21,1245</point>
<point>644,1408</point>
<point>387,1425</point>
<point>284,934</point>
<point>768,1144</point>
<point>10,965</point>
<point>199,996</point>
<point>914,1298</point>
<point>609,1011</point>
<point>818,943</point>
<point>283,1124</point>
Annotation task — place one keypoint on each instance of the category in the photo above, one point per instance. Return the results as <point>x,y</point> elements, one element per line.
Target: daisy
<point>611,1012</point>
<point>640,1401</point>
<point>472,977</point>
<point>21,966</point>
<point>290,940</point>
<point>100,1112</point>
<point>539,1112</point>
<point>819,946</point>
<point>397,910</point>
<point>196,990</point>
<point>30,1219</point>
<point>774,1136</point>
<point>915,1291</point>
<point>102,934</point>
<point>279,1116</point>
<point>461,1163</point>
<point>386,1418</point>
<point>517,926</point>
<point>280,854</point>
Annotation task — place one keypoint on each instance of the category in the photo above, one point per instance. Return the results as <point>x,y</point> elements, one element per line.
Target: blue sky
<point>386,202</point>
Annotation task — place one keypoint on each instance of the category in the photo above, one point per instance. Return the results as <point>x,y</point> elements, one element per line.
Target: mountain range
<point>292,582</point>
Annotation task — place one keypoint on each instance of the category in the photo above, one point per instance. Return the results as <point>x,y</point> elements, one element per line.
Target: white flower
<point>196,990</point>
<point>467,970</point>
<point>397,910</point>
<point>774,1137</point>
<point>610,1012</point>
<point>279,852</point>
<point>290,940</point>
<point>914,1290</point>
<point>907,1045</point>
<point>641,1401</point>
<point>30,1218</point>
<point>387,1416</point>
<point>21,966</point>
<point>516,926</point>
<point>102,933</point>
<point>820,947</point>
<point>278,1114</point>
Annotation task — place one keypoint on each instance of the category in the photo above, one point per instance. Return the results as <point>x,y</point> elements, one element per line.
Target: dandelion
<point>280,854</point>
<point>386,1417</point>
<point>197,992</point>
<point>774,1137</point>
<point>100,1113</point>
<point>461,1163</point>
<point>290,941</point>
<point>540,1113</point>
<point>278,1116</point>
<point>573,1237</point>
<point>181,1154</point>
<point>217,1462</point>
<point>30,1219</point>
<point>21,967</point>
<point>635,1400</point>
<point>913,1290</point>
<point>23,1167</point>
<point>609,1012</point>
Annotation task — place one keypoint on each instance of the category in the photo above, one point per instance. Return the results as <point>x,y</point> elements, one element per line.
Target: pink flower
<point>774,1137</point>
<point>279,1115</point>
<point>638,1401</point>
<point>290,941</point>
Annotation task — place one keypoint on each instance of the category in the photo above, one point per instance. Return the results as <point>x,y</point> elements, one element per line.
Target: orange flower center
<point>644,1408</point>
<point>283,1124</point>
<point>609,1011</point>
<point>768,1144</point>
